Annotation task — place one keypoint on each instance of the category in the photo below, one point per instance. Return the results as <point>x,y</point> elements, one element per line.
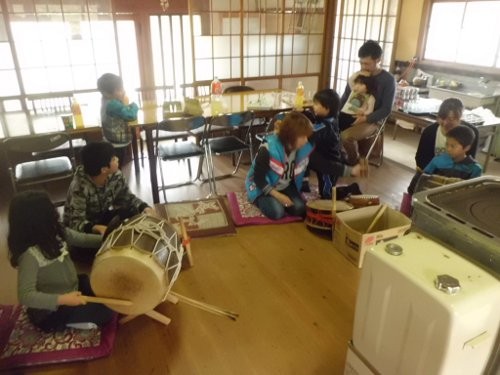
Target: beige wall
<point>409,28</point>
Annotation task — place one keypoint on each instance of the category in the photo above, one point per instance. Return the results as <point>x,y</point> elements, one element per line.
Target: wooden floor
<point>294,292</point>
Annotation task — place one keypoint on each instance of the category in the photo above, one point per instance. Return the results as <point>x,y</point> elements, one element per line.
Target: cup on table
<point>67,121</point>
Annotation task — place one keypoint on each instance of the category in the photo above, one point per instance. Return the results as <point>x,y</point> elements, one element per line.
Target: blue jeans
<point>274,210</point>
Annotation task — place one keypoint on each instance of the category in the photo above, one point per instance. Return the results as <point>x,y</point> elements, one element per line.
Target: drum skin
<point>138,262</point>
<point>129,274</point>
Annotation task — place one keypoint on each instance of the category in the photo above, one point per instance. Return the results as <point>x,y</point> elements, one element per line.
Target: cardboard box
<point>355,364</point>
<point>349,236</point>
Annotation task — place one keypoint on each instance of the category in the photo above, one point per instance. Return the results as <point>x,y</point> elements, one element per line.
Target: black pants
<point>95,313</point>
<point>87,255</point>
<point>345,121</point>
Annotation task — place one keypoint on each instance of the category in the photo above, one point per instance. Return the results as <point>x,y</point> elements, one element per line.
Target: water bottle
<point>299,95</point>
<point>216,97</point>
<point>216,87</point>
<point>77,113</point>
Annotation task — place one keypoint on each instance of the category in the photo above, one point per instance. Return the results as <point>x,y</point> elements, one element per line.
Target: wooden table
<point>489,128</point>
<point>30,123</point>
<point>278,100</point>
<point>150,115</point>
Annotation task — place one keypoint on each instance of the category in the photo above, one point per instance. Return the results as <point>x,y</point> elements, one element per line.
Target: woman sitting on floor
<point>275,178</point>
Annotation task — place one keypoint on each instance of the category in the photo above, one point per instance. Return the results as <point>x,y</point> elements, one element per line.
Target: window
<point>66,46</point>
<point>62,46</point>
<point>10,85</point>
<point>267,43</point>
<point>172,53</point>
<point>51,46</point>
<point>464,32</point>
<point>357,22</point>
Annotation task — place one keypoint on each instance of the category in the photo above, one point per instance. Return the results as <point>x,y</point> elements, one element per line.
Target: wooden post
<point>186,242</point>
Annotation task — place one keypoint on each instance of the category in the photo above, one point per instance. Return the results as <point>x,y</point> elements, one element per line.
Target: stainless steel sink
<point>470,98</point>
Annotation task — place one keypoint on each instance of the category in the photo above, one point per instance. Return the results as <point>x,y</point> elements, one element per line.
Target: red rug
<point>206,217</point>
<point>22,344</point>
<point>246,213</point>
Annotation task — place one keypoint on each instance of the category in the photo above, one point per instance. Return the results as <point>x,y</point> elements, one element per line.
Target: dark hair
<point>369,82</point>
<point>370,48</point>
<point>34,221</point>
<point>329,99</point>
<point>108,83</point>
<point>293,125</point>
<point>451,105</point>
<point>463,134</point>
<point>96,155</point>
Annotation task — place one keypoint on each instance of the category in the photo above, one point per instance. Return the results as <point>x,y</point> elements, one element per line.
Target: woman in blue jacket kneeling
<point>274,180</point>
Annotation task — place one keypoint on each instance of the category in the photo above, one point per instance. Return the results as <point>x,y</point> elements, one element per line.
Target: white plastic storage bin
<point>404,324</point>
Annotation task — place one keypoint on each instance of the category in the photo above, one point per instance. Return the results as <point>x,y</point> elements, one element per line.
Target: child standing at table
<point>47,281</point>
<point>326,136</point>
<point>116,113</point>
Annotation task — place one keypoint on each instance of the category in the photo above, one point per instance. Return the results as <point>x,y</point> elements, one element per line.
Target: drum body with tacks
<point>138,262</point>
<point>319,213</point>
<point>364,200</point>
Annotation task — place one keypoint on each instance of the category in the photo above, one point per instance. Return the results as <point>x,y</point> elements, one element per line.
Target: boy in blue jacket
<point>454,162</point>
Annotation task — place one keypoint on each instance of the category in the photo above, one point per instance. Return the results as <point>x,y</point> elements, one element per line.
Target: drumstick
<point>186,241</point>
<point>107,301</point>
<point>334,199</point>
<point>377,217</point>
<point>364,167</point>
<point>206,307</point>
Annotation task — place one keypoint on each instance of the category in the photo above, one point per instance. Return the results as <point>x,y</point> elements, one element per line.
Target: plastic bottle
<point>77,113</point>
<point>216,87</point>
<point>216,97</point>
<point>299,95</point>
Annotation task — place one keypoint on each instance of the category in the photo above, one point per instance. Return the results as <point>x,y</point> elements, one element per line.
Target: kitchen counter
<point>471,98</point>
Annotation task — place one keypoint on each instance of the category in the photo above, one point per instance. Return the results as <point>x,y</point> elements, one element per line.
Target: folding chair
<point>157,95</point>
<point>171,109</point>
<point>237,88</point>
<point>228,144</point>
<point>270,127</point>
<point>177,150</point>
<point>376,139</point>
<point>38,159</point>
<point>196,89</point>
<point>257,121</point>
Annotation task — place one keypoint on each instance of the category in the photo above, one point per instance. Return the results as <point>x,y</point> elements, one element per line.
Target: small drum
<point>139,262</point>
<point>364,200</point>
<point>426,181</point>
<point>319,213</point>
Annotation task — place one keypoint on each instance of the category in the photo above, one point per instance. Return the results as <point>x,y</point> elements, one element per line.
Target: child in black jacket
<point>326,135</point>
